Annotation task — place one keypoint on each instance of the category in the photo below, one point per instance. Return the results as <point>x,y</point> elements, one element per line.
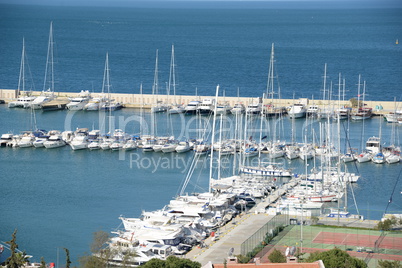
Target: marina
<point>263,170</point>
<point>138,144</point>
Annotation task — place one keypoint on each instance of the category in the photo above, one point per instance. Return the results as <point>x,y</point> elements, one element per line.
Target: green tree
<point>99,252</point>
<point>171,262</point>
<point>387,224</point>
<point>68,262</point>
<point>314,220</point>
<point>17,259</point>
<point>336,258</point>
<point>42,263</point>
<point>389,264</point>
<point>276,257</point>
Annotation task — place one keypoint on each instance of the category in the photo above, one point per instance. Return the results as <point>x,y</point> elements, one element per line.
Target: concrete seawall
<point>146,100</point>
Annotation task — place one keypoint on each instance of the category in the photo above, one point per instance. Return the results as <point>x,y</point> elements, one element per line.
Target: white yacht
<point>26,140</point>
<point>21,102</point>
<point>39,142</point>
<point>238,108</point>
<point>44,98</point>
<point>176,109</point>
<point>312,110</point>
<point>94,145</point>
<point>79,102</point>
<point>169,147</point>
<point>183,147</point>
<point>191,107</point>
<point>206,107</point>
<point>297,110</point>
<point>254,108</point>
<point>95,103</point>
<point>55,140</point>
<point>130,145</point>
<point>5,139</point>
<point>80,140</point>
<point>223,109</point>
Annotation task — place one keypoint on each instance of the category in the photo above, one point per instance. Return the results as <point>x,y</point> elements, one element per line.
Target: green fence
<point>261,237</point>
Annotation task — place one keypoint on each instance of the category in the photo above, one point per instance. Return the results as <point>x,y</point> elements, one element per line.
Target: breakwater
<point>147,100</point>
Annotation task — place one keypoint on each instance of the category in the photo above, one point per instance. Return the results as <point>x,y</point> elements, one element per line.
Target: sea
<point>58,198</point>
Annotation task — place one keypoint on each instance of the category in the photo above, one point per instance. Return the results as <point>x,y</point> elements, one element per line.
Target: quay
<point>146,101</point>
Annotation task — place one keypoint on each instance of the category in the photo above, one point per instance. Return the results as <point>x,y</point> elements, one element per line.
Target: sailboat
<point>361,113</point>
<point>158,106</point>
<point>26,97</point>
<point>271,110</point>
<point>48,85</point>
<point>109,104</point>
<point>175,108</point>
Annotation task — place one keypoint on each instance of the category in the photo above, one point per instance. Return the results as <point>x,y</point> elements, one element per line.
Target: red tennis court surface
<point>358,240</point>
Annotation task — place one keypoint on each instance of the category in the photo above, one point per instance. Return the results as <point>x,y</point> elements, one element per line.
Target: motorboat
<point>55,140</point>
<point>191,107</point>
<point>80,140</point>
<point>223,109</point>
<point>44,98</point>
<point>21,102</point>
<point>79,102</point>
<point>111,106</point>
<point>130,145</point>
<point>169,147</point>
<point>183,147</point>
<point>95,104</point>
<point>5,139</point>
<point>378,158</point>
<point>206,107</point>
<point>313,110</point>
<point>297,110</point>
<point>176,109</point>
<point>373,145</point>
<point>238,108</point>
<point>254,108</point>
<point>26,140</point>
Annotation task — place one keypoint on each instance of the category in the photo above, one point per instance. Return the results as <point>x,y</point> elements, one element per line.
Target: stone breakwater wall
<point>147,100</point>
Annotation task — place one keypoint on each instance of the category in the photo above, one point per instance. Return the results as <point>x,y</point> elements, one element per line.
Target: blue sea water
<point>230,47</point>
<point>58,198</point>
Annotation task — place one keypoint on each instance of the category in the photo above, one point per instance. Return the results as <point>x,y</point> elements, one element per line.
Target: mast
<point>270,82</point>
<point>21,79</point>
<point>50,61</point>
<point>213,138</point>
<point>172,79</point>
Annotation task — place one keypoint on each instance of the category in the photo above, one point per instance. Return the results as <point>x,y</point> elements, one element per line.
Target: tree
<point>354,102</point>
<point>99,252</point>
<point>42,263</point>
<point>17,259</point>
<point>171,262</point>
<point>387,224</point>
<point>314,220</point>
<point>336,258</point>
<point>276,257</point>
<point>68,262</point>
<point>389,264</point>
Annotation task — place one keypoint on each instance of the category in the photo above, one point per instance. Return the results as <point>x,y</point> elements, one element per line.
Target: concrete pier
<point>233,234</point>
<point>147,100</point>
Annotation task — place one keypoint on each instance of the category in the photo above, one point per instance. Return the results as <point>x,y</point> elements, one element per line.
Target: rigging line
<point>393,190</point>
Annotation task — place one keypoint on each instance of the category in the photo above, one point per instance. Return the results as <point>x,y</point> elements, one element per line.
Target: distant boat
<point>397,42</point>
